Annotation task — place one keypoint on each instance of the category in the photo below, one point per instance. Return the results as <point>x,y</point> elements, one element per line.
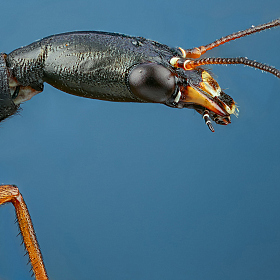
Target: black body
<point>112,67</point>
<point>7,106</point>
<point>116,67</point>
<point>88,64</point>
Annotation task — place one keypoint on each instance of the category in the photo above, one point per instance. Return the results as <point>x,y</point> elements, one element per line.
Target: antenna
<point>197,52</point>
<point>188,64</point>
<point>190,57</point>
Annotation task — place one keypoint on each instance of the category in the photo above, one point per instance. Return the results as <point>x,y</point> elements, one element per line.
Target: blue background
<point>143,191</point>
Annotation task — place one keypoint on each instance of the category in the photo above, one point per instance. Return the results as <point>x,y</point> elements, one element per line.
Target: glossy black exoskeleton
<point>115,67</point>
<point>112,67</point>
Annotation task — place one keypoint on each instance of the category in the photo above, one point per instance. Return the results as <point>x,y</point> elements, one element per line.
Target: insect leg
<point>10,193</point>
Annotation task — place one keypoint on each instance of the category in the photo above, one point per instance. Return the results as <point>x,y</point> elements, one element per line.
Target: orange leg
<point>10,193</point>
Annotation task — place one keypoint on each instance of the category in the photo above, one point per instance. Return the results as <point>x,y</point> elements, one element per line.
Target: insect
<point>113,67</point>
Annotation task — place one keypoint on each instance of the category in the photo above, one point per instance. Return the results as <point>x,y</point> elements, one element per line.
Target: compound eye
<point>152,82</point>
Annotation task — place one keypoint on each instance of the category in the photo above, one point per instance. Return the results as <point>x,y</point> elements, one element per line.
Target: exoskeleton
<point>115,67</point>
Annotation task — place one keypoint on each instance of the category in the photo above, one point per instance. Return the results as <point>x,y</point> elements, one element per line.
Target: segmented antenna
<point>197,52</point>
<point>190,58</point>
<point>188,64</point>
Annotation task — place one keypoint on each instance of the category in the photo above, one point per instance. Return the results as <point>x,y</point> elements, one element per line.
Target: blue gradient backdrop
<point>143,191</point>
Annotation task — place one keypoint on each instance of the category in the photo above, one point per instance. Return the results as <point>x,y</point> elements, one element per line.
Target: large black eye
<point>151,82</point>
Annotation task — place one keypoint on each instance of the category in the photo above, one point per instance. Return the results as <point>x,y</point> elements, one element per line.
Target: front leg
<point>10,193</point>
